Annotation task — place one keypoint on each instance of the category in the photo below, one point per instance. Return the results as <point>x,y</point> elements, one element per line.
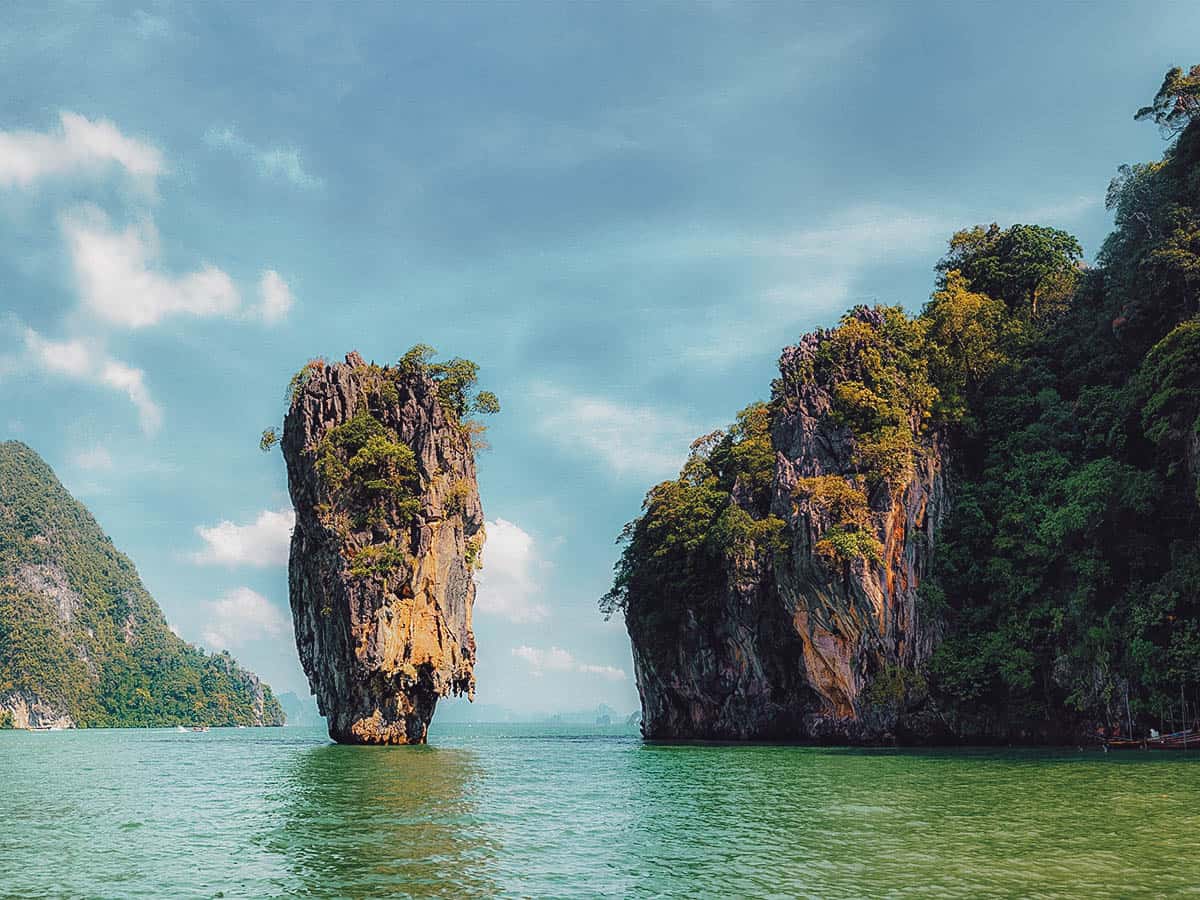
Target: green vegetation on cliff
<point>690,528</point>
<point>1068,399</point>
<point>1068,569</point>
<point>79,632</point>
<point>370,476</point>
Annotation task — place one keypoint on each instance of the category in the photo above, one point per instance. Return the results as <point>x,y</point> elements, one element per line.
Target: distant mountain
<point>460,712</point>
<point>81,640</point>
<point>301,711</point>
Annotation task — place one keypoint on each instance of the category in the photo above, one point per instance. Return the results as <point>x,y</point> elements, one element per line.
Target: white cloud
<point>86,361</point>
<point>612,673</point>
<point>94,459</point>
<point>118,280</point>
<point>148,26</point>
<point>279,163</point>
<point>132,382</point>
<point>263,542</point>
<point>276,297</point>
<point>552,660</point>
<point>239,616</point>
<point>79,145</point>
<point>558,660</point>
<point>1059,212</point>
<point>508,583</point>
<point>807,274</point>
<point>630,439</point>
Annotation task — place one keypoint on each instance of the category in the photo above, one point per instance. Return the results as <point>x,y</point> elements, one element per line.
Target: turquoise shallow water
<point>545,812</point>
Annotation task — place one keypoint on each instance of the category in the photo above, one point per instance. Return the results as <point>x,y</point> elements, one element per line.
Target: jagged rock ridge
<point>389,529</point>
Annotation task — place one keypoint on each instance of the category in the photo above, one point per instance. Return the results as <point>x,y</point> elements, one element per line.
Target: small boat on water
<point>199,729</point>
<point>1179,740</point>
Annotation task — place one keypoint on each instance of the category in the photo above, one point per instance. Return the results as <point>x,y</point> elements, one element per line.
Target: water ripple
<point>545,812</point>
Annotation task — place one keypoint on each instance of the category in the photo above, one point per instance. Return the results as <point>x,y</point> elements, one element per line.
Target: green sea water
<point>523,811</point>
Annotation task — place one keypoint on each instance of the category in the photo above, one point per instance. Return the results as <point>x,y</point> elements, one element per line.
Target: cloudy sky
<point>621,211</point>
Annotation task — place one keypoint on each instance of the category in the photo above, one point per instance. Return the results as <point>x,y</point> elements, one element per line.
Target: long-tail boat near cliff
<point>1179,740</point>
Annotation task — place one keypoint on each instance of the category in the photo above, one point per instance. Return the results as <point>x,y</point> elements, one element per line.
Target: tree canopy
<point>1064,580</point>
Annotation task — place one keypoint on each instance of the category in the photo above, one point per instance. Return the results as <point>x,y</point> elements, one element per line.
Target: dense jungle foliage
<point>1067,575</point>
<point>78,629</point>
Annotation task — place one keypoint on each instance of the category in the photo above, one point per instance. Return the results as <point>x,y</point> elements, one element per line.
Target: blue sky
<point>621,211</point>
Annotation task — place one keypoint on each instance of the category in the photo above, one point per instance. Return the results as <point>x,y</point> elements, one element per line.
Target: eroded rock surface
<point>795,644</point>
<point>388,531</point>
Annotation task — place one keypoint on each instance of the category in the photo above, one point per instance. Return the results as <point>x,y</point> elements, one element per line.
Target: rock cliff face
<point>799,643</point>
<point>388,531</point>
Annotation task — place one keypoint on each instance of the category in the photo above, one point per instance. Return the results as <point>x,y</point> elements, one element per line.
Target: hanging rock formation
<point>389,529</point>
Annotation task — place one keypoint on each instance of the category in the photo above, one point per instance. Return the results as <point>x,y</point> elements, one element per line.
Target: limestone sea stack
<point>389,530</point>
<point>771,592</point>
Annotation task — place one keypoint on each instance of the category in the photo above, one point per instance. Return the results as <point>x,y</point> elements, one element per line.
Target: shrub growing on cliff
<point>690,526</point>
<point>1169,382</point>
<point>6,720</point>
<point>876,361</point>
<point>456,380</point>
<point>378,560</point>
<point>1177,103</point>
<point>364,463</point>
<point>1032,268</point>
<point>851,534</point>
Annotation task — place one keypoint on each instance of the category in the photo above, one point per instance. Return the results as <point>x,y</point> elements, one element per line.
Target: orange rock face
<point>388,529</point>
<point>795,645</point>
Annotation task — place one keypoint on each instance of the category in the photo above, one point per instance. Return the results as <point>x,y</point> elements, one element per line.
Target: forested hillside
<point>1059,407</point>
<point>81,640</point>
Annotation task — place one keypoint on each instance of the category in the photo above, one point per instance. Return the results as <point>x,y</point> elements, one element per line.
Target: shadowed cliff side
<point>389,530</point>
<point>793,612</point>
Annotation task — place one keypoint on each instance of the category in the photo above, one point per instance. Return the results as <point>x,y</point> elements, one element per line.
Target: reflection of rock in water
<point>367,822</point>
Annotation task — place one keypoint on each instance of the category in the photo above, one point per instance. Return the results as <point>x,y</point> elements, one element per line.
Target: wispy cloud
<point>149,26</point>
<point>239,616</point>
<point>79,145</point>
<point>1063,212</point>
<point>279,163</point>
<point>508,584</point>
<point>85,360</point>
<point>121,282</point>
<point>94,459</point>
<point>275,297</point>
<point>556,659</point>
<point>630,439</point>
<point>118,278</point>
<point>679,120</point>
<point>262,542</point>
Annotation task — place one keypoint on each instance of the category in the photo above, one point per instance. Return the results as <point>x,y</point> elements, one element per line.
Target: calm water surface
<point>544,812</point>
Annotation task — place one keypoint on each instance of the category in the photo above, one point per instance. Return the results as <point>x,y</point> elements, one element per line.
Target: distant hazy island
<point>82,643</point>
<point>978,523</point>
